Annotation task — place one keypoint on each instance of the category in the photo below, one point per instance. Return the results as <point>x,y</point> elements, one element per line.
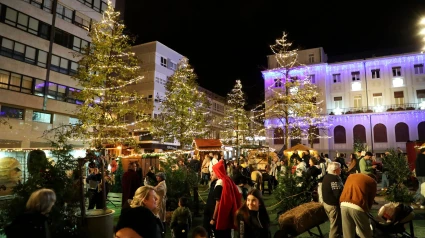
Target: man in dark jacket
<point>331,191</point>
<point>130,183</point>
<point>420,175</point>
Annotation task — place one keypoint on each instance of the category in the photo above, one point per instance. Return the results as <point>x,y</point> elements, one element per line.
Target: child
<point>199,232</point>
<point>181,220</point>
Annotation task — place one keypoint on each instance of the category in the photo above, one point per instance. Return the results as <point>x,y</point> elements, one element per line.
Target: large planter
<point>99,223</point>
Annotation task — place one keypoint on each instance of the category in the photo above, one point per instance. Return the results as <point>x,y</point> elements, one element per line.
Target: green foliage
<point>184,110</point>
<point>117,187</point>
<point>57,176</point>
<point>398,174</point>
<point>293,190</point>
<point>179,181</point>
<point>236,122</point>
<point>108,73</point>
<point>358,145</point>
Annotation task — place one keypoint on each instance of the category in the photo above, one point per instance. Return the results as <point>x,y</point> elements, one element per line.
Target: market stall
<point>207,146</point>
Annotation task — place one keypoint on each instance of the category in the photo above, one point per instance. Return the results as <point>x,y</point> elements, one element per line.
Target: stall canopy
<point>207,144</point>
<point>299,147</point>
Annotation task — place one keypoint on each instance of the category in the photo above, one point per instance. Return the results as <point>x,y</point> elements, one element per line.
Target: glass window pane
<point>68,15</point>
<point>22,20</point>
<point>44,31</point>
<point>61,92</point>
<point>74,68</point>
<point>55,60</point>
<point>64,66</point>
<point>41,117</point>
<point>4,79</point>
<point>59,10</point>
<point>53,88</point>
<point>12,112</point>
<point>11,16</point>
<point>77,44</point>
<point>84,44</point>
<point>42,58</point>
<point>19,51</point>
<point>15,80</point>
<point>33,26</point>
<point>26,82</point>
<point>39,87</point>
<point>7,47</point>
<point>30,55</point>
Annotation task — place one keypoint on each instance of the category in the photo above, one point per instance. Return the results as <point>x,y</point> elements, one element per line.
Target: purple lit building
<point>380,100</point>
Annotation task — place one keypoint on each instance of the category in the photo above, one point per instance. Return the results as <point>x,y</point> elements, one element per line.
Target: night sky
<point>229,40</point>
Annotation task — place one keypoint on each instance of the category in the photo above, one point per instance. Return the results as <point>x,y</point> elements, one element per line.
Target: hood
<point>219,170</point>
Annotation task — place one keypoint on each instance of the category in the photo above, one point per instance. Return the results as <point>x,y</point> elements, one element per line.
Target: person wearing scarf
<point>228,201</point>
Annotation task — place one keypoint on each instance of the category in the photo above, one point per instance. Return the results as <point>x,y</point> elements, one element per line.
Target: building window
<point>172,65</point>
<point>73,121</point>
<point>419,68</point>
<point>27,54</point>
<point>377,99</point>
<point>380,133</point>
<point>421,131</point>
<point>312,78</point>
<point>396,71</point>
<point>399,97</point>
<point>64,13</point>
<point>163,61</point>
<point>420,95</point>
<point>277,83</point>
<point>358,101</point>
<point>278,137</point>
<point>11,112</point>
<point>340,136</point>
<point>355,76</point>
<point>336,78</point>
<point>295,142</point>
<point>398,82</point>
<point>42,117</point>
<point>401,132</point>
<point>359,133</point>
<point>337,102</point>
<point>376,74</point>
<point>311,58</point>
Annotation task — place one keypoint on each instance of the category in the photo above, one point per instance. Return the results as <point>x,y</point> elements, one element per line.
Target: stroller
<point>393,225</point>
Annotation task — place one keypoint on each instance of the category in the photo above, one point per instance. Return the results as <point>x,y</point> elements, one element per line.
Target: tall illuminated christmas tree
<point>291,100</point>
<point>236,122</point>
<point>107,73</point>
<point>184,110</point>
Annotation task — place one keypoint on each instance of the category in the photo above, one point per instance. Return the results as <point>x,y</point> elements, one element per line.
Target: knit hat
<point>161,175</point>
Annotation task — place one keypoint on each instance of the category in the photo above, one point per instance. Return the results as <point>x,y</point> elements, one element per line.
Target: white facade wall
<point>343,96</point>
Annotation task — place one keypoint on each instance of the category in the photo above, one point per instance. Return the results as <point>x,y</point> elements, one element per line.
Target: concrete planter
<point>99,223</point>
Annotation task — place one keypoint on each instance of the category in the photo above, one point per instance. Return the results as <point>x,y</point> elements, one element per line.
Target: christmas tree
<point>236,122</point>
<point>184,110</point>
<point>291,100</point>
<point>107,73</point>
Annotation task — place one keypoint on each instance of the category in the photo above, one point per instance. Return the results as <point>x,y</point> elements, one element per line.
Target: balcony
<point>377,109</point>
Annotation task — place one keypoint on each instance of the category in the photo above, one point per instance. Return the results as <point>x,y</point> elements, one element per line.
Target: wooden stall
<point>143,161</point>
<point>206,146</point>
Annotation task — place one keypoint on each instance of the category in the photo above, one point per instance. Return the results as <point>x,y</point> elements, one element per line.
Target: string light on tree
<point>184,110</point>
<point>235,123</point>
<point>291,99</point>
<point>106,72</point>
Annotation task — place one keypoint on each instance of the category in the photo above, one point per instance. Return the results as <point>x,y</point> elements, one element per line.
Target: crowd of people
<point>230,206</point>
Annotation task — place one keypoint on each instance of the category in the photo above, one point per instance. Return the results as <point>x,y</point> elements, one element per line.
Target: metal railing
<point>375,109</point>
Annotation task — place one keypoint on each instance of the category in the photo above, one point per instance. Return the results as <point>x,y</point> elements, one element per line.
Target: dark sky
<point>227,40</point>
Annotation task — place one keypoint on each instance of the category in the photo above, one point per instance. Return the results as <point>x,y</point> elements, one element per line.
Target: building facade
<point>30,101</point>
<point>379,101</point>
<point>158,62</point>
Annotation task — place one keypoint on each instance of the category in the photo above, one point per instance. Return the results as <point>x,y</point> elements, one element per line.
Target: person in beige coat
<point>161,191</point>
<point>205,172</point>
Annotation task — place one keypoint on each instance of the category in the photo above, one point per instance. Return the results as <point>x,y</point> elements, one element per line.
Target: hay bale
<point>302,218</point>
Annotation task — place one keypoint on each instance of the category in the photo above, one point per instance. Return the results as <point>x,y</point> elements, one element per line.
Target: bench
<point>114,198</point>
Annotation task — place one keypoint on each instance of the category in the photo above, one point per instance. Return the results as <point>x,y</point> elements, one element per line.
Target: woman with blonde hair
<point>141,217</point>
<point>33,223</point>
